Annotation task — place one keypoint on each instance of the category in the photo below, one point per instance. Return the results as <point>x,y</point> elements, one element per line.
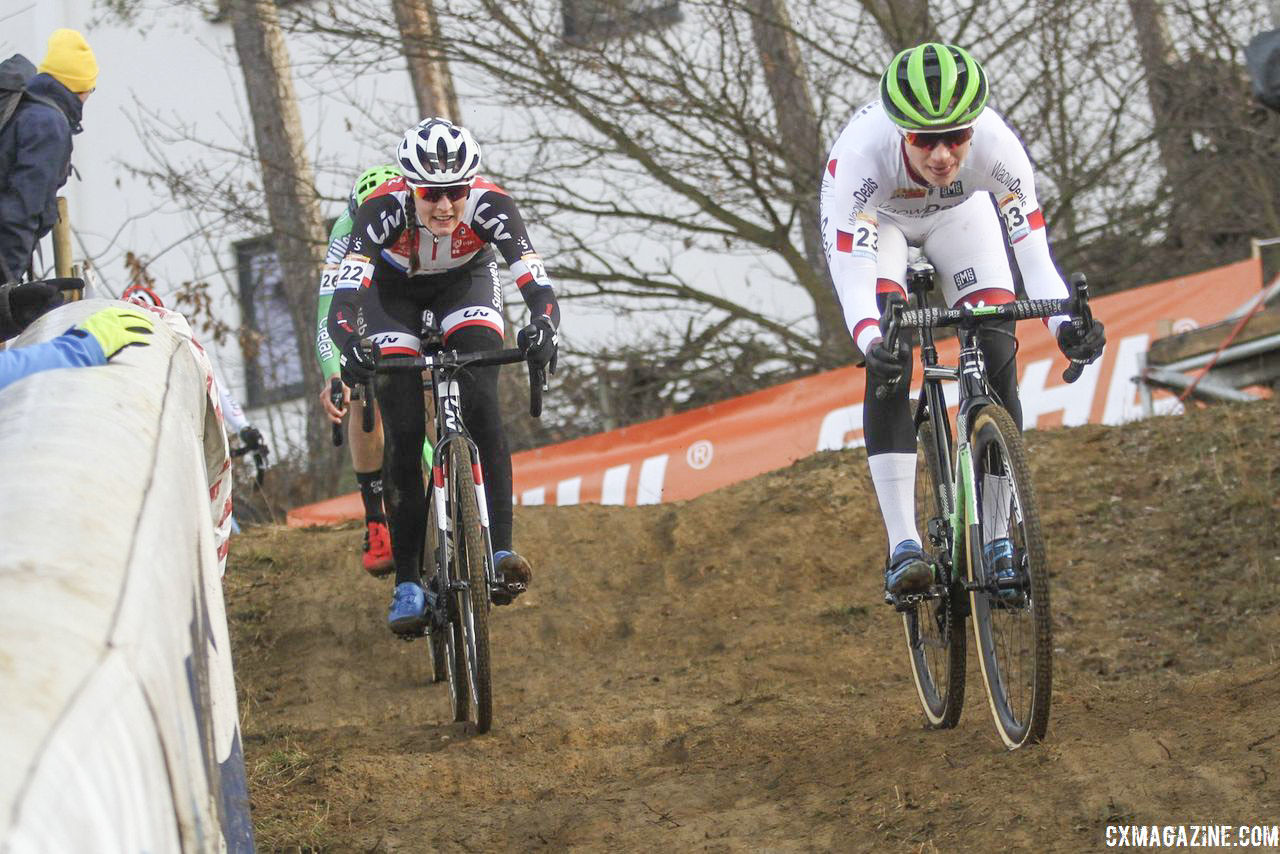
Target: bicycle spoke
<point>934,641</point>
<point>1011,600</point>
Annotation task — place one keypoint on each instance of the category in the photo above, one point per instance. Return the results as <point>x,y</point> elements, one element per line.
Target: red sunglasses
<point>433,194</point>
<point>927,140</point>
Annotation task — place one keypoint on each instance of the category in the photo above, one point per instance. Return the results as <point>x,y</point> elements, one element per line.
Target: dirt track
<point>719,674</point>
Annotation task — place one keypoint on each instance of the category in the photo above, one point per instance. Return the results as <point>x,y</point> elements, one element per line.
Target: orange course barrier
<point>682,456</point>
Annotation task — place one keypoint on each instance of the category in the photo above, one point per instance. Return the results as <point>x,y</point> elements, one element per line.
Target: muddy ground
<point>719,674</point>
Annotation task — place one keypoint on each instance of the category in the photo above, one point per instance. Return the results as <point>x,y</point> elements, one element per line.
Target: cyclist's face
<point>441,216</point>
<point>937,164</point>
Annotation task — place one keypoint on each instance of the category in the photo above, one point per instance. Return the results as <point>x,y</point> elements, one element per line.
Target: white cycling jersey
<point>868,187</point>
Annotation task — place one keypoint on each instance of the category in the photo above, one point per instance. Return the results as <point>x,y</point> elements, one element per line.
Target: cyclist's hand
<point>1082,347</point>
<point>538,341</point>
<point>117,328</point>
<point>358,363</point>
<point>251,437</point>
<point>21,304</point>
<point>332,412</point>
<point>885,365</point>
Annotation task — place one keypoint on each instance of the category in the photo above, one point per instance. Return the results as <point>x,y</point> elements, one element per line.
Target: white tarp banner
<point>118,725</point>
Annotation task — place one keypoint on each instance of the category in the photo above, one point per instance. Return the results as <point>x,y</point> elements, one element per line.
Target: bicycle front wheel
<point>471,588</point>
<point>934,625</point>
<point>1009,590</point>
<point>436,646</point>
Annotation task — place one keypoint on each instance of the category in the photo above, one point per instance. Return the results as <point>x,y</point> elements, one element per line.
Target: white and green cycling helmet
<point>933,87</point>
<point>369,180</point>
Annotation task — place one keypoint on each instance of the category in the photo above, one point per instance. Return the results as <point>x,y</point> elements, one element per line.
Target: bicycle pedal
<point>409,636</point>
<point>505,592</point>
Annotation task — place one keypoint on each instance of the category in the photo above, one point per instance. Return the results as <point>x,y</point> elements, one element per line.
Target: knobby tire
<point>1015,642</point>
<point>473,602</point>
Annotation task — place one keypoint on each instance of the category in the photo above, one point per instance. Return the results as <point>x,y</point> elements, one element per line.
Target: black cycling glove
<point>885,365</point>
<point>21,304</point>
<point>538,341</point>
<point>1082,347</point>
<point>251,437</point>
<point>357,361</point>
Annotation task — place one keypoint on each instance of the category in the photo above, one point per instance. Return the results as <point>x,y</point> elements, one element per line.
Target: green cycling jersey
<point>326,353</point>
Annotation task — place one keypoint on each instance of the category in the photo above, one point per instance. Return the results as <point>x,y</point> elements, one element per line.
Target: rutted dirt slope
<point>719,674</point>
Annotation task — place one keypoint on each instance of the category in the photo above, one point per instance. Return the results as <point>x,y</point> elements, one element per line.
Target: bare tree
<point>428,69</point>
<point>289,188</point>
<point>903,22</point>
<point>798,132</point>
<point>674,167</point>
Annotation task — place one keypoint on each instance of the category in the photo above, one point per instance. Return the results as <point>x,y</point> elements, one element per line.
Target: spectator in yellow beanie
<point>35,147</point>
<point>71,62</point>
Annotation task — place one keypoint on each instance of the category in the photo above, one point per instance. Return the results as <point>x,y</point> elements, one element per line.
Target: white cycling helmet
<point>438,152</point>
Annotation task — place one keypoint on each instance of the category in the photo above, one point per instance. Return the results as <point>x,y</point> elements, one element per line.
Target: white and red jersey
<point>388,247</point>
<point>868,182</point>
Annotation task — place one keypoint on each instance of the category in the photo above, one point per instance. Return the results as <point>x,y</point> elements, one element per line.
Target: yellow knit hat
<point>70,61</point>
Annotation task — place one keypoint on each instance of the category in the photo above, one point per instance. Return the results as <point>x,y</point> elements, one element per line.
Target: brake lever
<point>1081,320</point>
<point>335,398</point>
<point>890,328</point>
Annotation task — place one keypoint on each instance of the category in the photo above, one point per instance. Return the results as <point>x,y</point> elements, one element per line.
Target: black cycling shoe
<point>908,570</point>
<point>512,574</point>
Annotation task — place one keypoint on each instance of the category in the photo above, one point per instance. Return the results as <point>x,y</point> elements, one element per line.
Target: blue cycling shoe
<point>408,609</point>
<point>1001,566</point>
<point>908,570</point>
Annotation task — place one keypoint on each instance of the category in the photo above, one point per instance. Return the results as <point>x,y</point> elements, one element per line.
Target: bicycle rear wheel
<point>1011,617</point>
<point>934,626</point>
<point>471,588</point>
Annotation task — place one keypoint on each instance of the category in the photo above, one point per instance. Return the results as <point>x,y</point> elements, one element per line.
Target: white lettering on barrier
<point>568,491</point>
<point>838,425</point>
<point>653,473</point>
<point>1122,392</point>
<point>533,497</point>
<point>614,490</point>
<point>842,428</point>
<point>1074,400</point>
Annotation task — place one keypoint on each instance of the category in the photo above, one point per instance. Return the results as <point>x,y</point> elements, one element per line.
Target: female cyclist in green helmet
<point>366,448</point>
<point>929,164</point>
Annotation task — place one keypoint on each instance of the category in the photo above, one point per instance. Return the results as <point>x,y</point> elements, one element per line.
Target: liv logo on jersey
<point>495,224</point>
<point>389,220</point>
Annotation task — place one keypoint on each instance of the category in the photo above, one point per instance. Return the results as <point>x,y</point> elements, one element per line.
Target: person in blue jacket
<point>35,148</point>
<point>101,336</point>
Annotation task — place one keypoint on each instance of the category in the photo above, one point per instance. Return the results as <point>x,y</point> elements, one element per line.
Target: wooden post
<point>62,241</point>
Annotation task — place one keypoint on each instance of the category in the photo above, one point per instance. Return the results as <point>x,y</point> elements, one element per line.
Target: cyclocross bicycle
<point>976,504</point>
<point>458,573</point>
